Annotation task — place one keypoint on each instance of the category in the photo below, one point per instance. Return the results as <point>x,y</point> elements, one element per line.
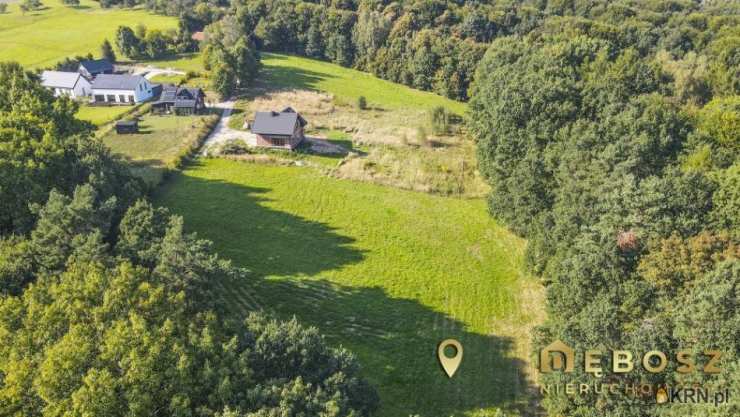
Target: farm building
<point>180,100</point>
<point>279,129</point>
<point>121,89</point>
<point>71,84</point>
<point>91,68</point>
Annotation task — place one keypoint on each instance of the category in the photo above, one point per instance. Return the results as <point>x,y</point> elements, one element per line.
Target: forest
<point>611,142</point>
<point>436,45</point>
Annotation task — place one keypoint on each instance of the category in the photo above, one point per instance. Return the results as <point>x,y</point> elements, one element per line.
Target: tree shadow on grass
<point>277,78</point>
<point>267,241</point>
<point>395,338</point>
<point>396,341</point>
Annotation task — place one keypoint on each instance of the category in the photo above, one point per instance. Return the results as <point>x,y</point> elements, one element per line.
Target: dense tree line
<point>141,43</point>
<point>612,144</point>
<point>106,303</point>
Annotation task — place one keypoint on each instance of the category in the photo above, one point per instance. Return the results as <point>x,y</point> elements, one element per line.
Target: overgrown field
<point>42,38</point>
<point>385,272</point>
<point>392,141</point>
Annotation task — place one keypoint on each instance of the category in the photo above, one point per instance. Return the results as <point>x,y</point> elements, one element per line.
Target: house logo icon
<point>563,357</point>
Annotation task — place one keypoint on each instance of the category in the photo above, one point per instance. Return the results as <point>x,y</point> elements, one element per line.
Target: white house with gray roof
<point>71,84</point>
<point>121,89</point>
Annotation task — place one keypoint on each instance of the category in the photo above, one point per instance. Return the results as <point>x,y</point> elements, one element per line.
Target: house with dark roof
<point>179,100</point>
<point>121,89</point>
<point>91,68</point>
<point>70,84</point>
<point>279,129</point>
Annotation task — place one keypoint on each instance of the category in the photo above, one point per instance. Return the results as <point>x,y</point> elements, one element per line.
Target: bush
<point>3,8</point>
<point>234,147</point>
<point>361,103</point>
<point>195,141</point>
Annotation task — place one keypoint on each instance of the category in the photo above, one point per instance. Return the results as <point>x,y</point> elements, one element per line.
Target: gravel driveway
<point>223,133</point>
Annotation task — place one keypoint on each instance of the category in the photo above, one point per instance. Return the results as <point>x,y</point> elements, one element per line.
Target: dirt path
<point>151,72</point>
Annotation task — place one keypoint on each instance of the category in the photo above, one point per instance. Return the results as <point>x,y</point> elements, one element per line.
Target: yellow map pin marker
<point>450,365</point>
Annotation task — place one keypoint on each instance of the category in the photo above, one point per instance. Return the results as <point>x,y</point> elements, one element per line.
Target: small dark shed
<point>127,126</point>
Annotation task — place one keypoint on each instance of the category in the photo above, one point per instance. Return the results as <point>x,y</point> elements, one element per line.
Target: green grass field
<point>289,71</point>
<point>42,38</point>
<point>384,272</point>
<point>100,115</point>
<point>159,141</point>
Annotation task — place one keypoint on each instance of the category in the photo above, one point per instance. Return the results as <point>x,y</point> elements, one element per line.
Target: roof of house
<point>179,96</point>
<point>274,123</point>
<point>198,36</point>
<point>117,82</point>
<point>59,79</point>
<point>96,66</point>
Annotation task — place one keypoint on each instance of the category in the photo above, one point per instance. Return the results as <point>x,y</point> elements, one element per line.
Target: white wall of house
<point>142,93</point>
<point>81,89</point>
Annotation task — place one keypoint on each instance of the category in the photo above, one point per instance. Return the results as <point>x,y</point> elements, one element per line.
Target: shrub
<point>361,103</point>
<point>440,120</point>
<point>195,141</point>
<point>234,147</point>
<point>3,8</point>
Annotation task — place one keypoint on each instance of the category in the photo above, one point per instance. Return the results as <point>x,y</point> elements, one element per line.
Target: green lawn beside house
<point>101,115</point>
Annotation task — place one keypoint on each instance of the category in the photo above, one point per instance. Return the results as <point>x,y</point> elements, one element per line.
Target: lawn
<point>100,115</point>
<point>384,272</point>
<point>41,38</point>
<point>347,84</point>
<point>158,143</point>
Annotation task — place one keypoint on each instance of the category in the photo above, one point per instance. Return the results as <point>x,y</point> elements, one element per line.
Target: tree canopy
<point>611,145</point>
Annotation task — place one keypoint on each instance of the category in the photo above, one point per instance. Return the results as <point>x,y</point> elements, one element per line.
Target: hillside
<point>42,38</point>
<point>385,272</point>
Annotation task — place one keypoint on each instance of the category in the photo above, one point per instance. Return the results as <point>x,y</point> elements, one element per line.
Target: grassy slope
<point>384,272</point>
<point>41,38</point>
<point>347,84</point>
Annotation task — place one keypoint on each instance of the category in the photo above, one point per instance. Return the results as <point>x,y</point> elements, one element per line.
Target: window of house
<point>130,99</point>
<point>121,98</point>
<point>99,97</point>
<point>111,98</point>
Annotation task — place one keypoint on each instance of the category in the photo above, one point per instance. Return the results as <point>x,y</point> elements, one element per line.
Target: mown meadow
<point>384,272</point>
